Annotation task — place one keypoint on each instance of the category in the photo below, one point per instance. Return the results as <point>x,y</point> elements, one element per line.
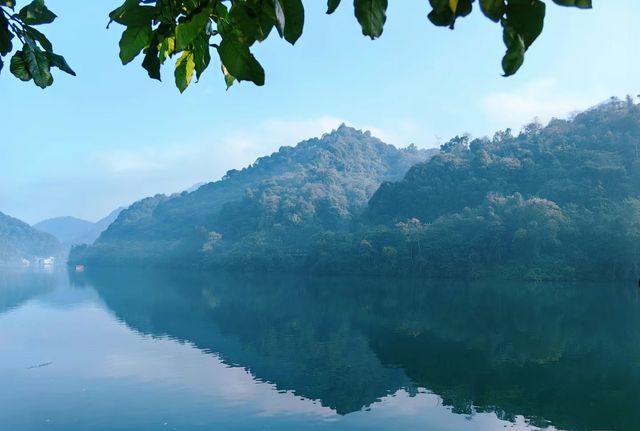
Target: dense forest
<point>552,202</point>
<point>20,241</point>
<point>557,202</point>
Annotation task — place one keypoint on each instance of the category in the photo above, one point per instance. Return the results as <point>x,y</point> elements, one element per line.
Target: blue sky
<point>111,136</point>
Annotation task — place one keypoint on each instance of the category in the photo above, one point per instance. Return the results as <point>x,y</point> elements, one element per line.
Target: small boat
<point>79,268</point>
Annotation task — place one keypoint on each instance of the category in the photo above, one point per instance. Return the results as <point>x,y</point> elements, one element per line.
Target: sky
<point>111,135</point>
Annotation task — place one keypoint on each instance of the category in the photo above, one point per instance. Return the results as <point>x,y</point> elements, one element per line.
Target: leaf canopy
<point>189,29</point>
<point>34,60</point>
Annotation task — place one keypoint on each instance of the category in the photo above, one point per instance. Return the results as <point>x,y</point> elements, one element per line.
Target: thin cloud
<point>539,99</point>
<point>120,175</point>
<point>207,158</point>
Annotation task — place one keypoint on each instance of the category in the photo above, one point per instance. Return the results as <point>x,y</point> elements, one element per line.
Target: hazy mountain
<point>89,236</point>
<point>20,241</point>
<point>72,231</point>
<point>321,183</point>
<point>65,229</point>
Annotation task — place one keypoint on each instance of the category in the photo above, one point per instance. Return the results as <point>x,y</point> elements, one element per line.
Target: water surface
<point>143,350</point>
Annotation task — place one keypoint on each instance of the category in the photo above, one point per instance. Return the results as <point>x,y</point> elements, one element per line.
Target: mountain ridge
<point>553,202</point>
<point>71,230</point>
<point>328,178</point>
<point>64,228</point>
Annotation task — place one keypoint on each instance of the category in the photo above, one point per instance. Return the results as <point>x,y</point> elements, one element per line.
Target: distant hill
<point>65,229</point>
<point>20,241</point>
<point>74,231</point>
<point>89,236</point>
<point>321,183</point>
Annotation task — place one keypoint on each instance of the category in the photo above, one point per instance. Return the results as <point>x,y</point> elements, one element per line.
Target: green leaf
<point>185,67</point>
<point>461,8</point>
<point>527,19</point>
<point>523,24</point>
<point>289,19</point>
<point>240,62</point>
<point>59,62</point>
<point>445,12</point>
<point>151,63</point>
<point>514,57</point>
<point>228,78</point>
<point>132,14</point>
<point>582,4</point>
<point>18,67</point>
<point>167,48</point>
<point>332,5</point>
<point>37,65</point>
<point>493,9</point>
<point>36,13</point>
<point>371,14</point>
<point>245,21</point>
<point>265,10</point>
<point>201,54</point>
<point>187,32</point>
<point>41,38</point>
<point>250,21</point>
<point>221,13</point>
<point>5,36</point>
<point>134,40</point>
<point>441,18</point>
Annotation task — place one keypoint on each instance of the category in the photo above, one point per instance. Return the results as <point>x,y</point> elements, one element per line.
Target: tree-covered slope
<point>20,241</point>
<point>559,201</point>
<point>319,184</point>
<point>553,202</point>
<point>586,161</point>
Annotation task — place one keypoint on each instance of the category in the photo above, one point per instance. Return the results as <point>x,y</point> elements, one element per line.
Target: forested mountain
<point>20,241</point>
<point>559,201</point>
<point>279,202</point>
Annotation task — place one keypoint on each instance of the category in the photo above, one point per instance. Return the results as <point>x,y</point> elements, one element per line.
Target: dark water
<point>190,351</point>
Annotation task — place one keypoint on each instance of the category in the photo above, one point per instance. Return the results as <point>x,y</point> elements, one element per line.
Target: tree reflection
<point>568,355</point>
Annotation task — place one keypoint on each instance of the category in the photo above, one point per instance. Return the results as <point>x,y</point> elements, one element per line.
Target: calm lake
<point>119,350</point>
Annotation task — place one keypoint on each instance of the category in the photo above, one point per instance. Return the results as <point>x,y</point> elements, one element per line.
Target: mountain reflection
<point>566,355</point>
<point>18,286</point>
